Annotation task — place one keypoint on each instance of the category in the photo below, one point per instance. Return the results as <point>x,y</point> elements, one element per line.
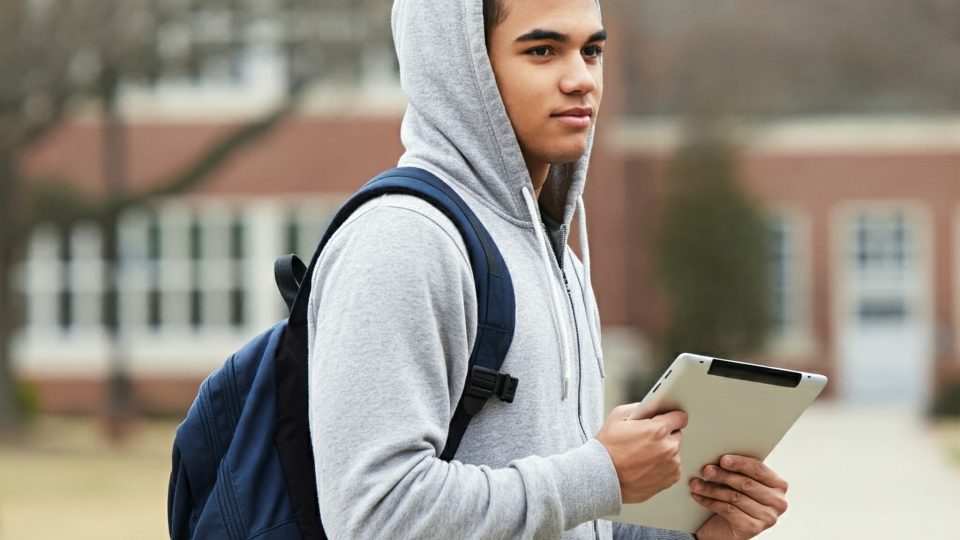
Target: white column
<point>264,243</point>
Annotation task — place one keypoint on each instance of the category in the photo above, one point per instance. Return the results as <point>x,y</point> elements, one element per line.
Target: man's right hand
<point>646,453</point>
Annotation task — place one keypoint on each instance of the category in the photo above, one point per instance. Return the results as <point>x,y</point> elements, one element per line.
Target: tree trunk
<point>11,415</point>
<point>120,402</point>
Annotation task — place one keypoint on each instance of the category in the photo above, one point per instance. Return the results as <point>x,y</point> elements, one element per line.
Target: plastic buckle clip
<point>486,382</point>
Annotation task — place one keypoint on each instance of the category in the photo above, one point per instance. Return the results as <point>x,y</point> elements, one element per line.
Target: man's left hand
<point>747,496</point>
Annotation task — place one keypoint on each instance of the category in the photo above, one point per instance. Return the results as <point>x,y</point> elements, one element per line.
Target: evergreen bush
<point>712,254</point>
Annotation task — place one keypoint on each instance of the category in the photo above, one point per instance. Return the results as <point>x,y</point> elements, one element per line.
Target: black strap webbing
<point>289,271</point>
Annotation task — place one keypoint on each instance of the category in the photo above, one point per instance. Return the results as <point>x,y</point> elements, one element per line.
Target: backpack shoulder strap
<point>496,304</point>
<point>288,272</point>
<point>496,318</point>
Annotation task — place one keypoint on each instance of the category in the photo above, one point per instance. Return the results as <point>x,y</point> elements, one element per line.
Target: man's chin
<point>563,158</point>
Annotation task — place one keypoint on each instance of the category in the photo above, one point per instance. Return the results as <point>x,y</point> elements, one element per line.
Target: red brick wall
<point>814,183</point>
<point>299,155</point>
<point>87,395</point>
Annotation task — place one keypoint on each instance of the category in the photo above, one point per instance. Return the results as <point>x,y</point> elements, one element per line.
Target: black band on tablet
<point>754,373</point>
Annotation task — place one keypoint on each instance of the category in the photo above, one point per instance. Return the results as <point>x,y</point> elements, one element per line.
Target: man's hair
<point>493,14</point>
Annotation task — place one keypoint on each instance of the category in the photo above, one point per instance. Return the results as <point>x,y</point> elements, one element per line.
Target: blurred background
<point>772,181</point>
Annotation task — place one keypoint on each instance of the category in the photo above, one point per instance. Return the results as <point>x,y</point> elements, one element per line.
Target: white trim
<point>87,353</point>
<point>825,135</point>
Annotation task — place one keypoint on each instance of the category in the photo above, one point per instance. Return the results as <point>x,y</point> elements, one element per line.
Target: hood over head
<point>456,123</point>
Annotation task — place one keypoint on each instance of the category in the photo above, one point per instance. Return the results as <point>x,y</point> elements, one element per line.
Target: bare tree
<point>56,54</point>
<point>35,85</point>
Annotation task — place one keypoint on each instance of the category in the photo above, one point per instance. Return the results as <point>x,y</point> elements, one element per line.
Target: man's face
<point>547,59</point>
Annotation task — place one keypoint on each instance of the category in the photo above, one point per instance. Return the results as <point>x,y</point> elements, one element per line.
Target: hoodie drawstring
<point>555,294</point>
<point>593,320</point>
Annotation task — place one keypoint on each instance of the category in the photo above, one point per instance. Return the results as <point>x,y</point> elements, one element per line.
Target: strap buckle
<point>484,382</point>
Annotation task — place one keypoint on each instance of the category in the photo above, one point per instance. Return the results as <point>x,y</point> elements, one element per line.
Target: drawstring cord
<point>554,293</point>
<point>592,319</point>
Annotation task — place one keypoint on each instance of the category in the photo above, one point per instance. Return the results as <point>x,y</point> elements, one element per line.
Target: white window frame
<point>917,210</point>
<point>44,348</point>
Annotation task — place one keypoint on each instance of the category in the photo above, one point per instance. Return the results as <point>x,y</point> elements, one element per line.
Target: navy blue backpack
<point>242,459</point>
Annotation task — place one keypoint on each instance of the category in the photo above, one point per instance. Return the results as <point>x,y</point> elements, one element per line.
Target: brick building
<point>864,215</point>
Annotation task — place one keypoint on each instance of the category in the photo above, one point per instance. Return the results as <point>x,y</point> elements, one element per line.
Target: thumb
<point>623,412</point>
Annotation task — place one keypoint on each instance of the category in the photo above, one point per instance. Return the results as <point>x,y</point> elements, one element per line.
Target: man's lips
<point>577,117</point>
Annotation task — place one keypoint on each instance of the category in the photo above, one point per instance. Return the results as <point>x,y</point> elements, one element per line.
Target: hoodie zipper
<point>573,317</point>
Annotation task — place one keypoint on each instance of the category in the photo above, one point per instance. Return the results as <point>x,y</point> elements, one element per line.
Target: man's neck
<point>538,175</point>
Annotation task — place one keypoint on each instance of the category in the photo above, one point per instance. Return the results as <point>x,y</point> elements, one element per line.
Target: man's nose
<point>578,79</point>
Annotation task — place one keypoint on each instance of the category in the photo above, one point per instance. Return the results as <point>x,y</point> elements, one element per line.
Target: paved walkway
<point>868,474</point>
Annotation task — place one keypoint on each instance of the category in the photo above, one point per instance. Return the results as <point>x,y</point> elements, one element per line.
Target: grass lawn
<point>63,480</point>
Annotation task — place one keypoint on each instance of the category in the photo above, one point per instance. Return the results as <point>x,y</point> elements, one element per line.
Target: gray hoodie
<point>394,296</point>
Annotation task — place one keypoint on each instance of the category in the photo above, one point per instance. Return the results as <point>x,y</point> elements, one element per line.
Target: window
<point>43,281</point>
<point>884,255</point>
<point>138,272</point>
<point>780,266</point>
<point>789,294</point>
<point>304,228</point>
<point>217,292</point>
<point>191,274</point>
<point>179,268</point>
<point>882,244</point>
<point>195,268</point>
<point>63,279</point>
<point>256,51</point>
<point>85,285</point>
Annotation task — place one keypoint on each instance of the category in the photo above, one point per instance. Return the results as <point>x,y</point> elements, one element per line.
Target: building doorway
<point>884,324</point>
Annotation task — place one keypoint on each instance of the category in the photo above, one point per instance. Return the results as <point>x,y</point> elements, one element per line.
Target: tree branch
<point>215,157</point>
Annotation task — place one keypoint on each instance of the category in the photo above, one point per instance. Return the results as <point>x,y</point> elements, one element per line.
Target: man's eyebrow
<point>600,35</point>
<point>539,34</point>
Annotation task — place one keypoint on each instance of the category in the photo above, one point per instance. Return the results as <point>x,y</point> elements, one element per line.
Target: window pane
<point>65,301</point>
<point>780,262</point>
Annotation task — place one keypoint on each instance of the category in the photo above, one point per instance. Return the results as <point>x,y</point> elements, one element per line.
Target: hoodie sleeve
<point>625,531</point>
<point>395,306</point>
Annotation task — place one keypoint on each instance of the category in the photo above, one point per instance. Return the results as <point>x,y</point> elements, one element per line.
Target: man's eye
<point>539,51</point>
<point>593,51</point>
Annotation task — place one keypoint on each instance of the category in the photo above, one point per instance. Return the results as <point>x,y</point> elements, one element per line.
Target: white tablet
<point>733,408</point>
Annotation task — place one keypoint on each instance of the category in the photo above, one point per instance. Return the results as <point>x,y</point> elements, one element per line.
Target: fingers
<point>673,420</point>
<point>744,491</point>
<point>768,496</point>
<point>754,469</point>
<point>737,519</point>
<point>747,505</point>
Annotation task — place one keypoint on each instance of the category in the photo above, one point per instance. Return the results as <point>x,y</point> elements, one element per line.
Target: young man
<point>504,113</point>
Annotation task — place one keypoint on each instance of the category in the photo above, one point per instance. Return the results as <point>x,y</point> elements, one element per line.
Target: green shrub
<point>28,399</point>
<point>712,255</point>
<point>948,401</point>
